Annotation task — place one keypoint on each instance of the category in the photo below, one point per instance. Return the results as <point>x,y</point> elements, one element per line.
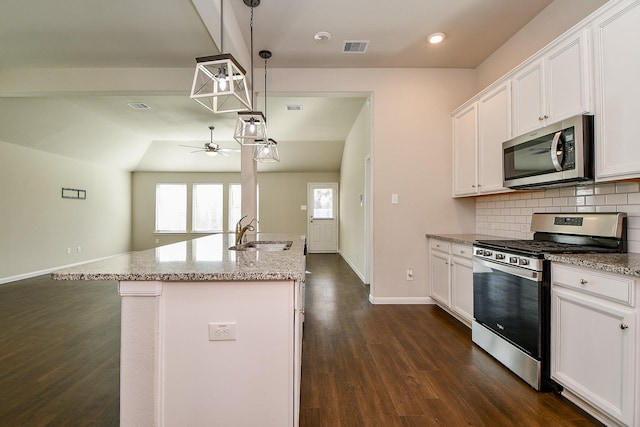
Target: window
<point>171,208</point>
<point>322,203</point>
<point>235,199</point>
<point>207,208</point>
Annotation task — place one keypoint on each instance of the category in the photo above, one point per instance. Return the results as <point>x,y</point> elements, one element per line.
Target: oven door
<point>507,300</point>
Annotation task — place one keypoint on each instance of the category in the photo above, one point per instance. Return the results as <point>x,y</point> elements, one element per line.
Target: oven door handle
<point>524,273</point>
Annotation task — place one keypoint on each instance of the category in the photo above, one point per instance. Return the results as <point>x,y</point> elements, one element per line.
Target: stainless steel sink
<point>264,245</point>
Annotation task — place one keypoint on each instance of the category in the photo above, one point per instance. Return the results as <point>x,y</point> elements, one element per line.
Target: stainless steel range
<point>512,287</point>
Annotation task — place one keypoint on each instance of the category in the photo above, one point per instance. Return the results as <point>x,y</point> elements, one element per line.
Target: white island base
<point>172,374</point>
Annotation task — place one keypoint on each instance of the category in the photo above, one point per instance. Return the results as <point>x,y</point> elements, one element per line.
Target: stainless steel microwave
<point>556,155</point>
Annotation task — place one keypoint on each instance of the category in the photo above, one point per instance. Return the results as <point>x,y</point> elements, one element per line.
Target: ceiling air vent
<point>355,46</point>
<point>138,105</point>
<point>292,107</point>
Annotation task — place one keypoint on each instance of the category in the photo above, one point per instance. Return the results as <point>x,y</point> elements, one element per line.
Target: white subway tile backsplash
<point>615,199</point>
<point>627,187</point>
<point>509,215</point>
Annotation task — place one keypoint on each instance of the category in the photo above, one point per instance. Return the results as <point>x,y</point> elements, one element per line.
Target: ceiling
<point>98,126</point>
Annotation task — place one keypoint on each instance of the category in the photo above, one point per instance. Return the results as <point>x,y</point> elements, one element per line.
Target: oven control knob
<point>499,256</point>
<point>488,253</point>
<point>479,252</point>
<point>524,261</point>
<point>513,260</point>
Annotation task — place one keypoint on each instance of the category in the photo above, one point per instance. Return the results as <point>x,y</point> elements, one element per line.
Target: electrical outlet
<point>222,331</point>
<point>79,249</point>
<point>410,274</point>
<point>68,251</point>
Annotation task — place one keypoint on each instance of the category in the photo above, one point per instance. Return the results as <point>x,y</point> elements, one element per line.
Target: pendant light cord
<point>265,89</point>
<point>221,27</point>
<point>253,99</point>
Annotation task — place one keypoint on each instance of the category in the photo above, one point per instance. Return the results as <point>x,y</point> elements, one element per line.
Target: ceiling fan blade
<point>197,151</point>
<point>222,153</point>
<point>190,146</point>
<point>228,150</point>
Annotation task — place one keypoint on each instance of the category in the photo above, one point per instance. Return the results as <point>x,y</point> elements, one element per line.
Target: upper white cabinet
<point>554,86</point>
<point>479,129</point>
<point>465,142</point>
<point>494,127</point>
<point>617,91</point>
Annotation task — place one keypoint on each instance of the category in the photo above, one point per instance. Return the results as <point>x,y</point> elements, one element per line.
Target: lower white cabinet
<point>451,277</point>
<point>594,337</point>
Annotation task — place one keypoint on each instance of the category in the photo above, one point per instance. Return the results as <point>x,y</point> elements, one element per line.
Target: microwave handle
<point>554,151</point>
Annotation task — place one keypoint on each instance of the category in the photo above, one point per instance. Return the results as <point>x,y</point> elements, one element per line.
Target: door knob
<point>624,326</point>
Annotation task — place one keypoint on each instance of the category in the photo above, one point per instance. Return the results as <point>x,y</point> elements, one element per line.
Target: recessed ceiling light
<point>436,38</point>
<point>322,37</point>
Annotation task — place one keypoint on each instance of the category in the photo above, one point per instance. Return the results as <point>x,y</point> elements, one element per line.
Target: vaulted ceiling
<point>93,122</point>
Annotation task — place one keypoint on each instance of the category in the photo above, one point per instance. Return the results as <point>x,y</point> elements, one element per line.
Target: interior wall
<point>554,20</point>
<point>281,195</point>
<point>352,191</point>
<point>411,157</point>
<point>38,226</point>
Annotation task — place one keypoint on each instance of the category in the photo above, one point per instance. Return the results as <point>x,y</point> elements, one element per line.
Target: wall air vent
<point>355,46</point>
<point>138,105</point>
<point>296,107</point>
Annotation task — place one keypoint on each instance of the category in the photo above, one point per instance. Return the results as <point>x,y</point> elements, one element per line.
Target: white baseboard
<point>32,274</point>
<point>400,300</point>
<point>353,267</point>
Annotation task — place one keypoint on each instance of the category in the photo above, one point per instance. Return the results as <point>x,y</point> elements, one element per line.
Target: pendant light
<point>267,152</point>
<point>220,82</point>
<point>251,126</point>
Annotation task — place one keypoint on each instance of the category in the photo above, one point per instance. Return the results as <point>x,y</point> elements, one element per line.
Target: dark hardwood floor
<point>363,364</point>
<point>412,365</point>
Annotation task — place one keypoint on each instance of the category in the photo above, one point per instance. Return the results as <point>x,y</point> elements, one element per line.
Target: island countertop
<point>203,259</point>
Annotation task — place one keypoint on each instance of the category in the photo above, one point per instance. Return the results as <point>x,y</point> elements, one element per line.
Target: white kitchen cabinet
<point>553,86</point>
<point>617,67</point>
<point>440,259</point>
<point>479,129</point>
<point>452,278</point>
<point>593,342</point>
<point>465,143</point>
<point>494,127</point>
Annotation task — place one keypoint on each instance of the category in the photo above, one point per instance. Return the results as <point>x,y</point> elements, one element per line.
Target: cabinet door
<point>568,79</point>
<point>440,278</point>
<point>528,98</point>
<point>593,351</point>
<point>617,43</point>
<point>462,287</point>
<point>464,151</point>
<point>494,127</point>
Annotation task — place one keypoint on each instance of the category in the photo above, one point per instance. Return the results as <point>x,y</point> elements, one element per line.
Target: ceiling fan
<point>211,148</point>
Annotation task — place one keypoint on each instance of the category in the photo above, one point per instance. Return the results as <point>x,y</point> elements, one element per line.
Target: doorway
<point>322,218</point>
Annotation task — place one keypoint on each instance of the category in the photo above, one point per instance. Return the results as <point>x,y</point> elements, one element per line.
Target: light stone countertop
<point>202,259</point>
<point>628,264</point>
<point>465,239</point>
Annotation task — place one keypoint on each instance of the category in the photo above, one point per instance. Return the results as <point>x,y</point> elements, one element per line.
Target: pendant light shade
<point>219,82</point>
<point>251,128</point>
<point>267,152</point>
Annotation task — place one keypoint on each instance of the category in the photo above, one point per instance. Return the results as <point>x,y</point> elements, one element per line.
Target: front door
<point>322,225</point>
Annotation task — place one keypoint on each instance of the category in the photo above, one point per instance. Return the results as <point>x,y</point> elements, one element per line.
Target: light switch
<point>394,199</point>
<point>303,207</point>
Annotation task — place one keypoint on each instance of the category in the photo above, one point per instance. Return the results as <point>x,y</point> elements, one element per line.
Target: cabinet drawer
<point>461,250</point>
<point>440,245</point>
<point>610,286</point>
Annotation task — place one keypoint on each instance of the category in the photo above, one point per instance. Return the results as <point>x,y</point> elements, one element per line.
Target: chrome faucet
<point>240,230</point>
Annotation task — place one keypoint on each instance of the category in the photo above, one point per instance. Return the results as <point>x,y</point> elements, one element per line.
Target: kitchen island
<point>209,336</point>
